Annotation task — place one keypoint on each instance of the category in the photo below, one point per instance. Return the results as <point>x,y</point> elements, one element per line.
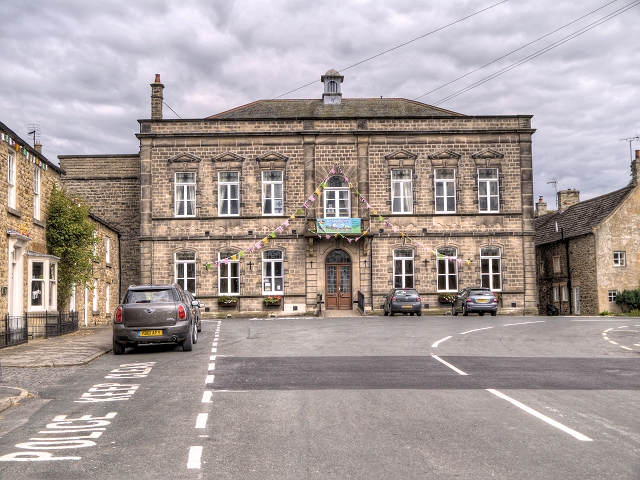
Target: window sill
<point>95,313</point>
<point>13,211</point>
<point>38,222</point>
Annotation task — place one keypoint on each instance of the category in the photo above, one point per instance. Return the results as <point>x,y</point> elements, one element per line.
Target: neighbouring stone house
<point>28,273</point>
<point>340,197</point>
<point>588,251</point>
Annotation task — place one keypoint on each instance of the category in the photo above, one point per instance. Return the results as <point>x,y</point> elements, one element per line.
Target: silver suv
<point>154,314</point>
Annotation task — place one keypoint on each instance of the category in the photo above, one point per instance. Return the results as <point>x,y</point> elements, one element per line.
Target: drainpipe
<point>566,246</point>
<point>371,268</point>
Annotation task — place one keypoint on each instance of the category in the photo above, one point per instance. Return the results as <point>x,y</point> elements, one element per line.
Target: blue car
<point>478,300</point>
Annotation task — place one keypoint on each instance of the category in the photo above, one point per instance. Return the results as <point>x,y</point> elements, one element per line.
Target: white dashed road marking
<point>195,453</point>
<point>201,421</point>
<point>440,341</point>
<point>542,417</point>
<point>206,396</point>
<point>523,323</point>
<point>457,370</point>
<point>476,330</point>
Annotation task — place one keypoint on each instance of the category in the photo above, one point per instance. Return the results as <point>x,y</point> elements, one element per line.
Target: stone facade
<point>579,251</point>
<point>366,140</point>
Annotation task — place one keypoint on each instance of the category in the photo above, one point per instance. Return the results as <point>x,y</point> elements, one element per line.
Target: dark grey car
<point>475,300</point>
<point>195,308</point>
<point>402,300</point>
<point>154,314</point>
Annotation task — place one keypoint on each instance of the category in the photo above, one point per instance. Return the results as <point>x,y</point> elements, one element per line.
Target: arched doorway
<point>338,281</point>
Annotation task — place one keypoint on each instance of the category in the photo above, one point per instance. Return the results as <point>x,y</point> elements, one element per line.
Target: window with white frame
<point>228,193</point>
<point>43,283</point>
<point>565,293</point>
<point>488,191</point>
<point>447,261</point>
<point>445,190</point>
<point>11,179</point>
<point>272,199</point>
<point>36,192</point>
<point>185,270</point>
<point>556,294</point>
<point>619,259</point>
<point>185,194</point>
<point>491,268</point>
<point>107,298</point>
<point>612,295</point>
<point>401,191</point>
<point>107,250</point>
<point>272,272</point>
<point>556,265</point>
<point>403,268</point>
<point>228,274</point>
<point>94,305</point>
<point>72,299</point>
<point>94,251</point>
<point>337,198</point>
<point>576,300</point>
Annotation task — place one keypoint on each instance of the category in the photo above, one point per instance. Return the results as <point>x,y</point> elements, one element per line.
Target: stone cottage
<point>339,197</point>
<point>587,252</point>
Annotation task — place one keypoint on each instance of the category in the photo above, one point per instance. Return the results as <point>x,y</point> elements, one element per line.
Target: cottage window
<point>185,270</point>
<point>403,268</point>
<point>619,259</point>
<point>556,294</point>
<point>447,269</point>
<point>228,193</point>
<point>43,276</point>
<point>565,293</point>
<point>11,179</point>
<point>556,265</point>
<point>576,300</point>
<point>272,272</point>
<point>337,198</point>
<point>72,299</point>
<point>37,284</point>
<point>107,250</point>
<point>272,188</point>
<point>94,306</point>
<point>445,190</point>
<point>490,268</point>
<point>612,295</point>
<point>185,194</point>
<point>488,191</point>
<point>228,274</point>
<point>401,191</point>
<point>36,192</point>
<point>53,285</point>
<point>107,297</point>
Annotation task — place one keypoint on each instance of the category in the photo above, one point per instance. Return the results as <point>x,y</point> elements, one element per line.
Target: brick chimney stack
<point>566,198</point>
<point>38,147</point>
<point>635,165</point>
<point>541,207</point>
<point>156,99</point>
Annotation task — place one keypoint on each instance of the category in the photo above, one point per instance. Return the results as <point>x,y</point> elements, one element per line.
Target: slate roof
<point>349,108</point>
<point>578,219</point>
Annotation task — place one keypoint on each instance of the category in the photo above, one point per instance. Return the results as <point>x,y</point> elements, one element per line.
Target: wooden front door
<point>338,280</point>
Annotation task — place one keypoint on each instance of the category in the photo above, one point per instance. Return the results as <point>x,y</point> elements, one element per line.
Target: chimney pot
<point>637,153</point>
<point>38,147</point>
<point>158,78</point>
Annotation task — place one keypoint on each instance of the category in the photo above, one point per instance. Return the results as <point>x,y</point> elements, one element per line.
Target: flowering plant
<point>226,300</point>
<point>446,298</point>
<point>272,299</point>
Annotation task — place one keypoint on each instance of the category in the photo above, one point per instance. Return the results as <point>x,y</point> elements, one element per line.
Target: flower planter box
<point>228,305</point>
<point>274,304</point>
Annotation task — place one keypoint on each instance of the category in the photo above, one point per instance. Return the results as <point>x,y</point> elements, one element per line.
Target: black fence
<point>14,331</point>
<point>48,324</point>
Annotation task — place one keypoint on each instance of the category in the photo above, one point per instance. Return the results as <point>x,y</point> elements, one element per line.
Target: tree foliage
<point>70,236</point>
<point>631,298</point>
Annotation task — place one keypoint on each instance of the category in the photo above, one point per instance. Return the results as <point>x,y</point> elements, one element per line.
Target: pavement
<point>74,349</point>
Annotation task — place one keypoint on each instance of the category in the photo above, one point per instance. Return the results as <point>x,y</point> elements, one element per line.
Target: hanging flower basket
<point>272,301</point>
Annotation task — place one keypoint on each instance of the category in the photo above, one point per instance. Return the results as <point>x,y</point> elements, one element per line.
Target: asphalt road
<point>363,398</point>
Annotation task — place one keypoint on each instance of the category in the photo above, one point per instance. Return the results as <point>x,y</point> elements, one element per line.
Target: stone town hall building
<point>344,197</point>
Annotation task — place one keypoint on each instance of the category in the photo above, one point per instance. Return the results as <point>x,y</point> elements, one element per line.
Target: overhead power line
<point>542,51</point>
<point>399,46</point>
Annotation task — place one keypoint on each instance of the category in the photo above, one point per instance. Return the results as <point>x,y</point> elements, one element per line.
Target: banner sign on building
<point>338,225</point>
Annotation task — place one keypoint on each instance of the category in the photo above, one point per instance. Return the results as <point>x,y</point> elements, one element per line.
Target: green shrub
<point>634,313</point>
<point>631,298</point>
<point>604,314</point>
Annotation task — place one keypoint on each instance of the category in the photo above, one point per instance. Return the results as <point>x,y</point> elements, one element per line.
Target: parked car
<point>196,306</point>
<point>154,314</point>
<point>402,300</point>
<point>475,300</point>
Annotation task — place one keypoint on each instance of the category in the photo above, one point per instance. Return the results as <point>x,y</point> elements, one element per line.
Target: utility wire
<point>398,46</point>
<point>514,51</point>
<point>541,51</point>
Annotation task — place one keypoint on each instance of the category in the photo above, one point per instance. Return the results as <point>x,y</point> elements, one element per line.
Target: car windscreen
<point>149,296</point>
<point>406,292</point>
<point>481,293</point>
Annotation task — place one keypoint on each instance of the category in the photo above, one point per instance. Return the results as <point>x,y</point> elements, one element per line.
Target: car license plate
<point>150,333</point>
<point>482,300</point>
<point>407,306</point>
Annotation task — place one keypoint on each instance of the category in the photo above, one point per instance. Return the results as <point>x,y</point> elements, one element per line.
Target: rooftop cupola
<point>332,80</point>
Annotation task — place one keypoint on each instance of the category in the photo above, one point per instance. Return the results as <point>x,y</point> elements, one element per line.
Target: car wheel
<point>493,314</point>
<point>419,314</point>
<point>187,343</point>
<point>453,311</point>
<point>199,325</point>
<point>481,314</point>
<point>390,313</point>
<point>118,348</point>
<point>464,311</point>
<point>385,312</point>
<point>195,335</point>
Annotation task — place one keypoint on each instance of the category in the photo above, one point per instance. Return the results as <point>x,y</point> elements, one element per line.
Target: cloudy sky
<point>81,69</point>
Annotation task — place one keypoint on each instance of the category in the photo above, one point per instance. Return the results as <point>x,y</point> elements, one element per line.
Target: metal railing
<point>14,331</point>
<point>47,324</point>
